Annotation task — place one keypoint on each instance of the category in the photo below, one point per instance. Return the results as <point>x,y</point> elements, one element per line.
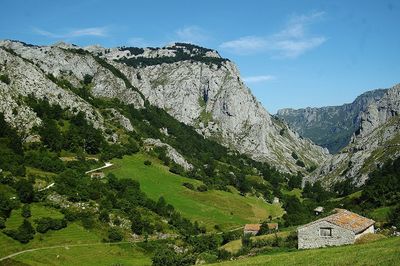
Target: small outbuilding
<point>252,229</point>
<point>341,228</point>
<point>97,175</point>
<point>319,210</point>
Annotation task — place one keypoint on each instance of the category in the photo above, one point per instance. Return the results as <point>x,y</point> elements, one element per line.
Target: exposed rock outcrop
<point>172,154</point>
<point>332,126</point>
<point>376,141</point>
<point>193,84</point>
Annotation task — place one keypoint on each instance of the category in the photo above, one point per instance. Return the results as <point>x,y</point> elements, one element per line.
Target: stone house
<point>252,229</point>
<point>340,228</point>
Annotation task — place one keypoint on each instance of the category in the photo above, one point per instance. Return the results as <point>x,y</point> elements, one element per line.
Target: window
<point>325,231</point>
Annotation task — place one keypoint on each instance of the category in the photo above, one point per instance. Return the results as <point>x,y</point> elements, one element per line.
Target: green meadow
<point>381,252</point>
<point>227,209</point>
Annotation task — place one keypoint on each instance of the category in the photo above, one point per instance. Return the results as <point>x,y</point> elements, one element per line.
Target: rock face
<point>376,141</point>
<point>172,154</point>
<point>193,84</point>
<point>332,126</point>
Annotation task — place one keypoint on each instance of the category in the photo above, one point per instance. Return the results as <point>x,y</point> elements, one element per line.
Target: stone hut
<point>319,210</point>
<point>252,229</point>
<point>340,228</point>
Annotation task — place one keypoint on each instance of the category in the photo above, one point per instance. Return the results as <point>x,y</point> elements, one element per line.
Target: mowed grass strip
<point>102,254</point>
<point>382,252</point>
<point>208,208</point>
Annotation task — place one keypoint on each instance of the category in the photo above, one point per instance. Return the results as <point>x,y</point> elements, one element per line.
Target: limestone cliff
<point>376,141</point>
<point>331,126</point>
<point>193,84</point>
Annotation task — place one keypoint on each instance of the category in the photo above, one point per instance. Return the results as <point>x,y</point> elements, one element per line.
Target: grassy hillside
<point>382,252</point>
<point>102,254</point>
<point>74,233</point>
<point>212,207</point>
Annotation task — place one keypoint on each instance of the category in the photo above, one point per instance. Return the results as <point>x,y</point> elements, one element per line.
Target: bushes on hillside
<point>114,235</point>
<point>23,234</point>
<point>46,223</point>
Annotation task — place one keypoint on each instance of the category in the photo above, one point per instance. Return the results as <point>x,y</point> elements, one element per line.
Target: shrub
<point>46,223</point>
<point>202,188</point>
<point>23,234</point>
<point>300,163</point>
<point>26,211</point>
<point>115,235</point>
<point>147,162</point>
<point>2,223</point>
<point>188,185</point>
<point>5,79</point>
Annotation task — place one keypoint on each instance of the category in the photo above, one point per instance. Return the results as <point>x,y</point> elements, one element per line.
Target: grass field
<point>381,252</point>
<point>209,208</point>
<point>72,234</point>
<point>102,254</point>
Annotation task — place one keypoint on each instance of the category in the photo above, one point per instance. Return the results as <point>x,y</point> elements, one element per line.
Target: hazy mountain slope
<point>376,141</point>
<point>193,84</point>
<point>332,126</point>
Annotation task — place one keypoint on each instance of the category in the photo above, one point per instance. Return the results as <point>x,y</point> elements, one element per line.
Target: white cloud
<point>292,41</point>
<point>191,34</point>
<point>256,79</point>
<point>95,31</point>
<point>245,45</point>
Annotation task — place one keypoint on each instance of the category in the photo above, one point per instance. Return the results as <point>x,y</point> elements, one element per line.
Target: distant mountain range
<point>332,126</point>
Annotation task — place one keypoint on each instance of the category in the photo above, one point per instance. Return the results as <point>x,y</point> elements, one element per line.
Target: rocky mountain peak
<point>193,84</point>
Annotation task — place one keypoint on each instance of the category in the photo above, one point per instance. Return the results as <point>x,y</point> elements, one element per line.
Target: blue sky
<point>290,53</point>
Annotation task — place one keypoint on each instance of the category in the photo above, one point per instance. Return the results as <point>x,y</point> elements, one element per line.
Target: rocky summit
<point>195,85</point>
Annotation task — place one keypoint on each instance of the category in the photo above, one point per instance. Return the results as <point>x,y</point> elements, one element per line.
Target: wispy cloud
<point>257,79</point>
<point>191,34</point>
<point>75,33</point>
<point>292,41</point>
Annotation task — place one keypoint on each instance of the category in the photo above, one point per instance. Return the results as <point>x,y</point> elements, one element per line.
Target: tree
<point>137,225</point>
<point>50,135</point>
<point>25,191</point>
<point>114,235</point>
<point>26,211</point>
<point>104,216</point>
<point>295,181</point>
<point>87,79</point>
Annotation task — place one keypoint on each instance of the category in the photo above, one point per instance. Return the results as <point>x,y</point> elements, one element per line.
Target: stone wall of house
<point>309,236</point>
<point>369,230</point>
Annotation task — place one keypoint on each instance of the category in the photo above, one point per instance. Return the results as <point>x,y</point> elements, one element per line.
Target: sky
<point>293,54</point>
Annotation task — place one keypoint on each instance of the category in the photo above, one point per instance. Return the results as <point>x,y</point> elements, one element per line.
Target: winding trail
<point>87,245</point>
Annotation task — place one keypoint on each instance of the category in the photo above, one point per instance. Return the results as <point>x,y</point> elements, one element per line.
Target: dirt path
<point>106,165</point>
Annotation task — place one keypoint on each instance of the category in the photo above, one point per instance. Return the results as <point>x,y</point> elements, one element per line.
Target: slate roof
<point>346,219</point>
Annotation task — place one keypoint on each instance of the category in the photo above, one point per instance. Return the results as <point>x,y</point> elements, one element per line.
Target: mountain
<point>192,84</point>
<point>330,127</point>
<point>375,142</point>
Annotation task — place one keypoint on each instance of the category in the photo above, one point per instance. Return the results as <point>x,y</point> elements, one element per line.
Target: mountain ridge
<point>202,90</point>
<point>330,126</point>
